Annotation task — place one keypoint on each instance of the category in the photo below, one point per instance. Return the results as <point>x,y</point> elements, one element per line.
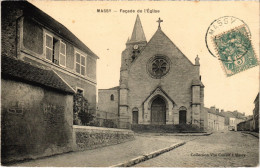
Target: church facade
<point>158,84</point>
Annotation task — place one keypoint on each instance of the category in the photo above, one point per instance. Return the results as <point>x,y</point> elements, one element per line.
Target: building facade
<point>232,119</point>
<point>214,121</point>
<point>159,85</point>
<point>31,35</point>
<point>256,114</point>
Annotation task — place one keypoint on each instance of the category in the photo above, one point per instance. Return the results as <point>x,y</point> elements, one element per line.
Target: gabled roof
<point>22,71</point>
<point>37,14</point>
<point>164,93</point>
<point>159,32</point>
<point>257,98</point>
<point>233,114</point>
<point>228,114</point>
<point>138,32</point>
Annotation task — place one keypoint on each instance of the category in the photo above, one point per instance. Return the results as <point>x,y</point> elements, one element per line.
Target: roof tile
<point>25,71</point>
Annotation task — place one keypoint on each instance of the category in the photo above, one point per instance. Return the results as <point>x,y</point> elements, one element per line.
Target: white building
<point>214,121</point>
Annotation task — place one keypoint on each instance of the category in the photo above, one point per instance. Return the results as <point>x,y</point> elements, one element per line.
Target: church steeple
<point>138,32</point>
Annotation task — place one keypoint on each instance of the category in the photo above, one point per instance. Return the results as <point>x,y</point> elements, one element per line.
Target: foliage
<point>109,123</point>
<point>81,112</point>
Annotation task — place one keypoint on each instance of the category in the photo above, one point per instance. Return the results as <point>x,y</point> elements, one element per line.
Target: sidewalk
<point>107,156</point>
<point>255,134</point>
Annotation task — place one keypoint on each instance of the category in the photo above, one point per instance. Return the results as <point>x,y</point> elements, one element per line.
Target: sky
<point>185,23</point>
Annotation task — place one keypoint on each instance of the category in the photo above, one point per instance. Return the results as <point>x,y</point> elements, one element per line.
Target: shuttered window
<point>80,64</point>
<point>62,59</point>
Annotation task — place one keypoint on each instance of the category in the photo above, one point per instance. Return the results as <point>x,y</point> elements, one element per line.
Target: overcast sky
<point>185,23</point>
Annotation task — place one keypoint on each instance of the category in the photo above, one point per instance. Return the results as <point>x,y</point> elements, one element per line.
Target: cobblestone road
<point>219,149</point>
<point>106,156</point>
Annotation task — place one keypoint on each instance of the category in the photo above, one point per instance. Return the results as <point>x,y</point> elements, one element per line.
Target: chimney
<point>213,109</point>
<point>217,110</point>
<point>244,114</point>
<point>222,111</point>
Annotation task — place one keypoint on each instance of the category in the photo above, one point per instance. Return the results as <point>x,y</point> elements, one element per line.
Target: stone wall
<point>10,14</point>
<point>178,128</point>
<point>36,122</point>
<point>104,100</point>
<point>87,137</point>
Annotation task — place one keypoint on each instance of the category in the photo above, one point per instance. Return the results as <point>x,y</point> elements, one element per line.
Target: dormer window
<point>55,50</point>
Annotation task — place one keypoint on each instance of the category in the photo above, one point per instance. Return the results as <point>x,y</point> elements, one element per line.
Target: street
<point>219,149</point>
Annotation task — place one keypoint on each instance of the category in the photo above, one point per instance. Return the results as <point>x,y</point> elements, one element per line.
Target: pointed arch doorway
<point>158,111</point>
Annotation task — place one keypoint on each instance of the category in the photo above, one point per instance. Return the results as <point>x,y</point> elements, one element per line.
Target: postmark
<point>229,39</point>
<point>235,50</point>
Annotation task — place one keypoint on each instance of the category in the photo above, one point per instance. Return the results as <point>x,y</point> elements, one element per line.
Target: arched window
<point>112,97</point>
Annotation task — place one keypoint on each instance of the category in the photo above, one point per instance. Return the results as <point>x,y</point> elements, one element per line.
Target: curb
<point>204,134</point>
<point>183,134</point>
<point>145,157</point>
<point>251,134</point>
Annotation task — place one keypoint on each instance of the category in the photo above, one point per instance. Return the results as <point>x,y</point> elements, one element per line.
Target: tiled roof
<point>233,114</point>
<point>37,14</point>
<point>257,98</point>
<point>228,114</point>
<point>212,112</point>
<point>23,71</point>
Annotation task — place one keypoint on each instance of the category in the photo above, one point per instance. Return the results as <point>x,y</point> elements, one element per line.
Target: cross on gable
<point>159,21</point>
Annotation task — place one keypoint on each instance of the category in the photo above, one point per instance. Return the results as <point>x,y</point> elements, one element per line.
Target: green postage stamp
<point>235,50</point>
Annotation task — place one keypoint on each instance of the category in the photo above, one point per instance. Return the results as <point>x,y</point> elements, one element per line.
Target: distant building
<point>31,35</point>
<point>247,125</point>
<point>233,118</point>
<point>214,121</point>
<point>108,100</point>
<point>256,114</point>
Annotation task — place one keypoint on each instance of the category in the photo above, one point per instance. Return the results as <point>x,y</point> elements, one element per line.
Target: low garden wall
<point>170,128</point>
<point>87,137</point>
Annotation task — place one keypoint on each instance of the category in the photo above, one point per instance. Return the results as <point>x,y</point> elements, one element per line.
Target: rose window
<point>158,66</point>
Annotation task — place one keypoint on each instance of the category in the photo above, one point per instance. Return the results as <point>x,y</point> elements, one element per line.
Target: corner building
<point>158,84</point>
<point>32,36</point>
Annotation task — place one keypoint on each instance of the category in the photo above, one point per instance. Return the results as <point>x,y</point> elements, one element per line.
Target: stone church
<point>158,84</point>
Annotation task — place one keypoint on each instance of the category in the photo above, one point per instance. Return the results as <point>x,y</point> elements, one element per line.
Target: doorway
<point>158,111</point>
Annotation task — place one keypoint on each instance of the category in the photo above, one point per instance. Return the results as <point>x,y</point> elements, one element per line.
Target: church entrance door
<point>182,117</point>
<point>135,117</point>
<point>158,111</point>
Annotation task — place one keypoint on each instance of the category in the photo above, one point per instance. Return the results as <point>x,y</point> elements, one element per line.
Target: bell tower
<point>134,47</point>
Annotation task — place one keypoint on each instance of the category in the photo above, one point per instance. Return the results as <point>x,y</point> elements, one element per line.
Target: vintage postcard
<point>130,83</point>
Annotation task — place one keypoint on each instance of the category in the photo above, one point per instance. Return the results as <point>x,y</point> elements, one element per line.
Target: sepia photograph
<point>130,83</point>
